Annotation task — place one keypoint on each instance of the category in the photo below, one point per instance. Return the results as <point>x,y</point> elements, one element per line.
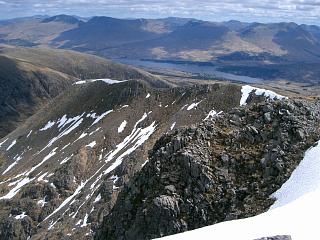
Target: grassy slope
<point>29,78</point>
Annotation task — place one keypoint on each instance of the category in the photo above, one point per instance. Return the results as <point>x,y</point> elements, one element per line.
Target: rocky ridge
<point>222,169</point>
<point>64,168</point>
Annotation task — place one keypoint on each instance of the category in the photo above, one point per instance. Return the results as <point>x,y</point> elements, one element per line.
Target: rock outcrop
<point>216,171</point>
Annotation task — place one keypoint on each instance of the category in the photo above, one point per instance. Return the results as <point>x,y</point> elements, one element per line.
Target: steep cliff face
<point>222,169</point>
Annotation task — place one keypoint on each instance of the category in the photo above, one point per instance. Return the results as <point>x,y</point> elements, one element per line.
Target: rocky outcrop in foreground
<point>223,169</point>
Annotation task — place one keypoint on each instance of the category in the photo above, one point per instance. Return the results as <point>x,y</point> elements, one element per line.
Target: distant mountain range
<point>93,149</point>
<point>169,38</point>
<point>270,51</point>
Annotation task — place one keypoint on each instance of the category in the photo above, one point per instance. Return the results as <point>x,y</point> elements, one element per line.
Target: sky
<point>300,11</point>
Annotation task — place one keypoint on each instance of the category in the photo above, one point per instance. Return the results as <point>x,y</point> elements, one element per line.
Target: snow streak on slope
<point>246,90</point>
<point>74,123</point>
<point>47,126</point>
<point>68,199</point>
<point>11,145</point>
<point>17,188</point>
<point>122,126</point>
<point>105,80</point>
<point>3,142</point>
<point>101,117</point>
<point>92,144</point>
<point>193,105</point>
<point>137,137</point>
<point>295,213</point>
<point>172,126</point>
<point>16,160</point>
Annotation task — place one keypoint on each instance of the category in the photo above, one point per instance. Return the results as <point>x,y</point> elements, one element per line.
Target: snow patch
<point>114,179</point>
<point>65,146</point>
<point>172,126</point>
<point>41,178</point>
<point>193,105</point>
<point>67,200</point>
<point>84,224</point>
<point>143,164</point>
<point>93,132</point>
<point>42,202</point>
<point>11,145</point>
<point>105,80</point>
<point>17,188</point>
<point>47,126</point>
<point>82,136</point>
<point>21,216</point>
<point>122,126</point>
<point>138,136</point>
<point>74,123</point>
<point>294,213</point>
<point>17,159</point>
<point>29,134</point>
<point>304,179</point>
<point>3,142</point>
<point>101,117</point>
<point>62,121</point>
<point>246,90</point>
<point>97,199</point>
<point>211,114</point>
<point>91,144</point>
<point>51,154</point>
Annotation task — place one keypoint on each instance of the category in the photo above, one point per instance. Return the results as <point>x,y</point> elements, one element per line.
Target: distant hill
<point>103,32</point>
<point>33,31</point>
<point>103,161</point>
<point>313,29</point>
<point>62,18</point>
<point>235,25</point>
<point>169,38</point>
<point>261,50</point>
<point>195,40</point>
<point>30,78</point>
<point>287,39</point>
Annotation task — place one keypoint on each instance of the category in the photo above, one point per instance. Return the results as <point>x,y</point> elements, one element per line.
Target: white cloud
<point>247,10</point>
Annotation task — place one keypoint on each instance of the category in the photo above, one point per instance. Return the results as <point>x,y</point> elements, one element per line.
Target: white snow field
<point>246,90</point>
<point>105,80</point>
<point>295,212</point>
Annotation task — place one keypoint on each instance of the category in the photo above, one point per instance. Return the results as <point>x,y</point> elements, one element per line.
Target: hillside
<point>77,153</point>
<point>196,40</point>
<point>94,149</point>
<point>192,39</point>
<point>168,38</point>
<point>104,32</point>
<point>275,52</point>
<point>35,31</point>
<point>29,78</point>
<point>288,40</point>
<point>64,168</point>
<point>218,171</point>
